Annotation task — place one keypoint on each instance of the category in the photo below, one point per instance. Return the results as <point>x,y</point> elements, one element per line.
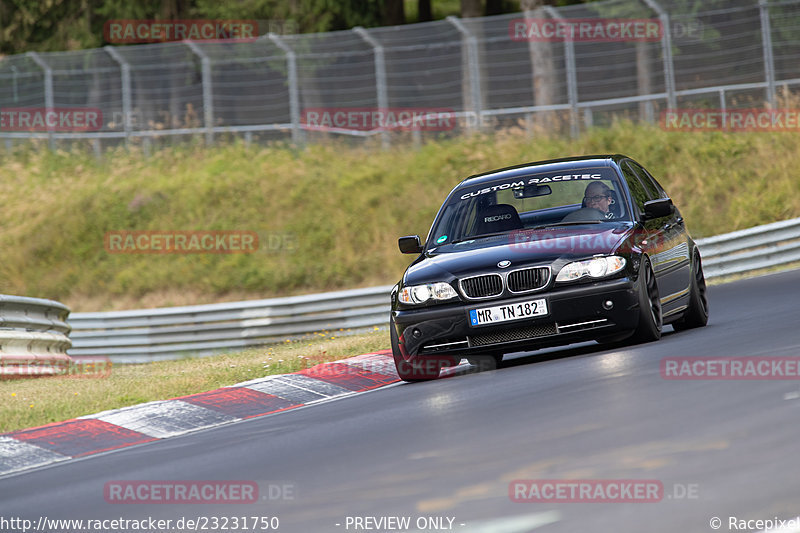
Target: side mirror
<point>658,208</point>
<point>410,244</point>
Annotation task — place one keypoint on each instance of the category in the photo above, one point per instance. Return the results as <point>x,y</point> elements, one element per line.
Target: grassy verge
<point>328,216</point>
<point>38,401</point>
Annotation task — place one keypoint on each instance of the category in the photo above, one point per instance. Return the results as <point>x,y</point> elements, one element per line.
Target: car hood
<point>548,246</point>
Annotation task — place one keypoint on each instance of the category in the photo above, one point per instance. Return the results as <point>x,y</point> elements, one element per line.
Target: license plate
<point>505,313</point>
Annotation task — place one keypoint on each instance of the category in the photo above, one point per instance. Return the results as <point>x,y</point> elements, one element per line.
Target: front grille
<point>482,286</point>
<point>510,335</point>
<point>528,279</point>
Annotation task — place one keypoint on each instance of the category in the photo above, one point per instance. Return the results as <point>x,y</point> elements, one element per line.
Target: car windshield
<point>583,196</point>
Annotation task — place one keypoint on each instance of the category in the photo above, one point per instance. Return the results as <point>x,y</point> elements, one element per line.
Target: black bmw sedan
<point>545,254</point>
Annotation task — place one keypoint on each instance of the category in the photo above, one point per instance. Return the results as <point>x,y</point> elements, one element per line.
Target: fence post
<point>48,91</point>
<point>572,77</point>
<point>15,92</point>
<point>769,62</point>
<point>474,69</point>
<point>380,78</point>
<point>125,70</point>
<point>208,96</point>
<point>14,76</point>
<point>666,47</point>
<point>588,117</point>
<point>294,87</point>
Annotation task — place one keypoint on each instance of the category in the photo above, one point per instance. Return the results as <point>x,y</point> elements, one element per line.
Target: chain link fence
<point>487,73</point>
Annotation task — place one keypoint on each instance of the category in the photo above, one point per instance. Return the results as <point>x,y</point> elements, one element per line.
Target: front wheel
<point>486,362</point>
<point>650,321</point>
<point>696,315</point>
<point>421,369</point>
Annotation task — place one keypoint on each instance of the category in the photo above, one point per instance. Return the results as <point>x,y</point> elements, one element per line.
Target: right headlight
<point>419,294</point>
<point>597,267</point>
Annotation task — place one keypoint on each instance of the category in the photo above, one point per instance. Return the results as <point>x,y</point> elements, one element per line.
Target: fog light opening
<point>608,305</point>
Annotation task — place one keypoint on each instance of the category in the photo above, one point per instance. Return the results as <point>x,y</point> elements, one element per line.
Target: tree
<point>471,8</point>
<point>394,12</point>
<point>496,7</point>
<point>424,11</point>
<point>541,52</point>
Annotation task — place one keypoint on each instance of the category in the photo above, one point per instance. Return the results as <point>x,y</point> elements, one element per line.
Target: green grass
<point>34,402</point>
<point>340,208</point>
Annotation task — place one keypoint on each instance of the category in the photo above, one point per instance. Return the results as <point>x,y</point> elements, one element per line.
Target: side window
<point>476,207</point>
<point>470,219</point>
<point>653,190</point>
<point>448,222</point>
<point>661,191</point>
<point>638,192</point>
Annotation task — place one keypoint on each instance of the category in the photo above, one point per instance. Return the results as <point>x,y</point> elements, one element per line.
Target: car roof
<point>552,165</point>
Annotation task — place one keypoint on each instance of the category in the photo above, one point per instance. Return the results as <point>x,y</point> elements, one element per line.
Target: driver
<point>598,196</point>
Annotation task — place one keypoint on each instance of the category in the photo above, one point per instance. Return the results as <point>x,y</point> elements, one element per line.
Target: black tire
<point>650,319</point>
<point>614,339</point>
<point>424,370</point>
<point>486,362</point>
<point>696,315</point>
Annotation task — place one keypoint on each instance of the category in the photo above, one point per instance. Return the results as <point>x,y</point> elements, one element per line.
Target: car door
<point>648,238</point>
<point>671,261</point>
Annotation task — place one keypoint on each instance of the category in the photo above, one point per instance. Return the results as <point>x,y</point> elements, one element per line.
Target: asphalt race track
<point>450,448</point>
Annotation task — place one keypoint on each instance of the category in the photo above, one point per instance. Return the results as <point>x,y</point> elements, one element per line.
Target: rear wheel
<point>696,315</point>
<point>420,369</point>
<point>650,321</point>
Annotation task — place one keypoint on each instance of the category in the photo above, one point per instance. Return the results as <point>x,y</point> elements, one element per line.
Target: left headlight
<point>594,268</point>
<point>419,294</point>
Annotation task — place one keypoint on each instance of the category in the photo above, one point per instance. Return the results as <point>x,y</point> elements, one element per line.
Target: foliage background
<point>341,207</point>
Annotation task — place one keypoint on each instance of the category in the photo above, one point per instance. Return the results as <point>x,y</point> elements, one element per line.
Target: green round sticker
<point>441,239</point>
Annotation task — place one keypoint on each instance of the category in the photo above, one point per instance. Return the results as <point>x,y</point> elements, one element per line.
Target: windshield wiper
<point>568,223</point>
<point>475,237</point>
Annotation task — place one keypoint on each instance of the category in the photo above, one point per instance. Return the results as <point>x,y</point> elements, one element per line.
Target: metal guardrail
<point>751,249</point>
<point>169,333</point>
<point>33,336</point>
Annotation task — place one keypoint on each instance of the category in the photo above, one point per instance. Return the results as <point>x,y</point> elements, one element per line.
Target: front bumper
<point>575,313</point>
